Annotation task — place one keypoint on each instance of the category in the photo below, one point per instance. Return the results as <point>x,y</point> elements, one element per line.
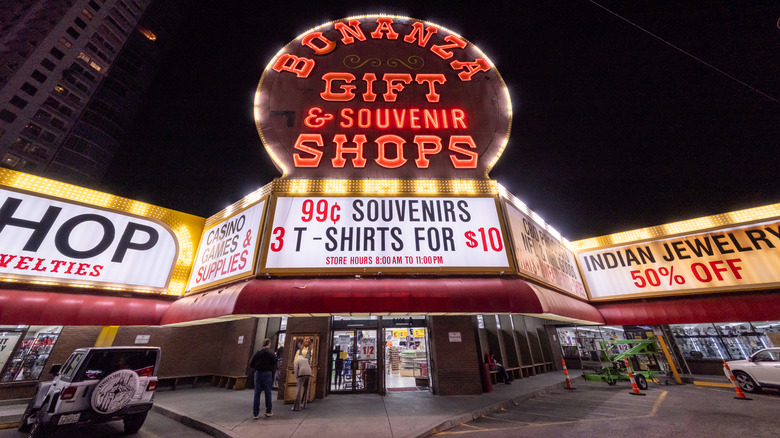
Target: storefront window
<point>732,340</point>
<point>584,341</point>
<point>24,351</point>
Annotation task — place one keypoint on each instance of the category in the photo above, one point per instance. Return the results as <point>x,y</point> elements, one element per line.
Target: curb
<point>487,410</point>
<point>211,429</point>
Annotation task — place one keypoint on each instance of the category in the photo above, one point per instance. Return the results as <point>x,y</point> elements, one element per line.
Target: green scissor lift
<point>611,368</point>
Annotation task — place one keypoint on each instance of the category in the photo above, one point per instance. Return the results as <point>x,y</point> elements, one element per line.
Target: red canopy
<point>324,296</point>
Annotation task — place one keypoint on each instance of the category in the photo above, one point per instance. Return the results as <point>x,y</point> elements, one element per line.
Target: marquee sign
<point>43,239</point>
<point>379,234</point>
<point>541,255</point>
<point>382,97</point>
<point>228,250</point>
<point>729,258</point>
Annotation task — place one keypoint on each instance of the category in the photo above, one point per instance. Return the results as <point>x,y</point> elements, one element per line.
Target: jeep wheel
<point>39,429</point>
<point>29,411</point>
<point>114,392</point>
<point>745,382</point>
<point>133,422</point>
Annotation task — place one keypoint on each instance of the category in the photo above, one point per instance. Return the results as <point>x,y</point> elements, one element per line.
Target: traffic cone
<point>740,393</point>
<point>634,388</point>
<point>566,373</point>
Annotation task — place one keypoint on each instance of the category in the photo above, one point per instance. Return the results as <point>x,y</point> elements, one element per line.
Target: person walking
<point>264,364</point>
<point>303,374</point>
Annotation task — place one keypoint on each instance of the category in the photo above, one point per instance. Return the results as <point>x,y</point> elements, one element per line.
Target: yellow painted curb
<point>719,385</point>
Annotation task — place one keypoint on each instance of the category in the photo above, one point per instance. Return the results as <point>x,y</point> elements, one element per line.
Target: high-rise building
<point>72,76</point>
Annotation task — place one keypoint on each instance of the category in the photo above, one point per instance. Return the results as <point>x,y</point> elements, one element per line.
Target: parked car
<point>95,385</point>
<point>760,370</point>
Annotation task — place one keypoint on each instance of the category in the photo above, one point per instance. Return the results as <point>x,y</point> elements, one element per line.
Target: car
<point>760,370</point>
<point>95,385</point>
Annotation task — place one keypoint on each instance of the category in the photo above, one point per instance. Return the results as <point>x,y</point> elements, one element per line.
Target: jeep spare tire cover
<point>114,391</point>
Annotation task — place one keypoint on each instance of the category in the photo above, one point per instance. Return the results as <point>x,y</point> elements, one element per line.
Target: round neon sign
<point>382,97</point>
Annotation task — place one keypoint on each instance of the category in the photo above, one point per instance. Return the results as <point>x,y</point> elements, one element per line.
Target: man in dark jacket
<point>264,364</point>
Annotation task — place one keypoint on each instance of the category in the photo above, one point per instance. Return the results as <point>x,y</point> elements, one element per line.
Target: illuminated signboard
<point>228,249</point>
<point>44,239</point>
<point>541,255</point>
<point>732,258</point>
<point>382,97</point>
<point>378,234</point>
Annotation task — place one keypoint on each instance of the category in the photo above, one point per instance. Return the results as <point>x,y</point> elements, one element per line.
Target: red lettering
<point>314,160</point>
<point>327,47</point>
<point>38,266</point>
<point>5,259</point>
<point>57,264</point>
<point>346,118</point>
<point>441,49</point>
<point>392,79</point>
<point>463,163</point>
<point>243,259</point>
<point>22,263</point>
<point>369,95</point>
<point>431,79</point>
<point>384,24</point>
<point>82,269</point>
<point>417,34</point>
<point>422,160</point>
<point>96,271</point>
<point>302,67</point>
<point>357,161</point>
<point>471,68</point>
<point>70,268</point>
<point>347,91</point>
<point>353,30</point>
<point>382,159</point>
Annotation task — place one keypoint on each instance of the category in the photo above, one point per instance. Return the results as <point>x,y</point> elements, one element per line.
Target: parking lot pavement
<point>156,426</point>
<point>596,409</point>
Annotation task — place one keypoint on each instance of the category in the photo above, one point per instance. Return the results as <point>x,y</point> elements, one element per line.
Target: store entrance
<point>354,361</point>
<point>406,358</point>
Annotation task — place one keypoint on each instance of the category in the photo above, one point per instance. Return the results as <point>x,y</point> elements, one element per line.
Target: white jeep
<point>95,385</point>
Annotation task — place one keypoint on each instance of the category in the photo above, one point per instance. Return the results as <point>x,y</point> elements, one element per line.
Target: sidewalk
<point>226,413</point>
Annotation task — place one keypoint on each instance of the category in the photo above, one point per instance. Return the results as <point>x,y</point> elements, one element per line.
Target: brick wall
<point>455,365</point>
<point>204,349</point>
<point>308,326</point>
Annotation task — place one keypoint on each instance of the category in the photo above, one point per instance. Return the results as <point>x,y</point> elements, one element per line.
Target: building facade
<point>72,76</point>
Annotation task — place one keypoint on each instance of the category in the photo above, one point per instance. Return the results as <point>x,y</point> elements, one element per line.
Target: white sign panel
<point>142,339</point>
<point>49,240</point>
<point>381,233</point>
<point>542,256</point>
<point>735,258</point>
<point>8,341</point>
<point>227,250</point>
<point>455,337</point>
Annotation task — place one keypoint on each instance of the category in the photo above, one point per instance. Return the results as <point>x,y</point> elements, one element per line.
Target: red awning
<point>20,307</point>
<point>324,296</point>
<point>757,306</point>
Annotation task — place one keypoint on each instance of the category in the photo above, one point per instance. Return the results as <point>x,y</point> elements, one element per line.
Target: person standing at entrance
<point>304,350</point>
<point>264,364</point>
<point>303,374</point>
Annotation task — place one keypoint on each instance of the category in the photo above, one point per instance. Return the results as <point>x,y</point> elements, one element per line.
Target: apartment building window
<point>57,123</point>
<point>7,116</point>
<point>42,115</point>
<point>64,41</point>
<point>47,64</point>
<point>87,14</point>
<point>57,53</point>
<point>18,102</point>
<point>29,88</point>
<point>38,76</point>
<point>32,129</point>
<point>73,32</point>
<point>80,23</point>
<point>48,136</point>
<point>94,5</point>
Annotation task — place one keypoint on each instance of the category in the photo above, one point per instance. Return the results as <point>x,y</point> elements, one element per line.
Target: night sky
<point>613,128</point>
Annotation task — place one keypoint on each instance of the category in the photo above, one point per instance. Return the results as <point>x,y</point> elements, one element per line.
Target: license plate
<point>69,419</point>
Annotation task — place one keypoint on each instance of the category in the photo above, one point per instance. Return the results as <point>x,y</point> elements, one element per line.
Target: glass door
<point>354,361</point>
